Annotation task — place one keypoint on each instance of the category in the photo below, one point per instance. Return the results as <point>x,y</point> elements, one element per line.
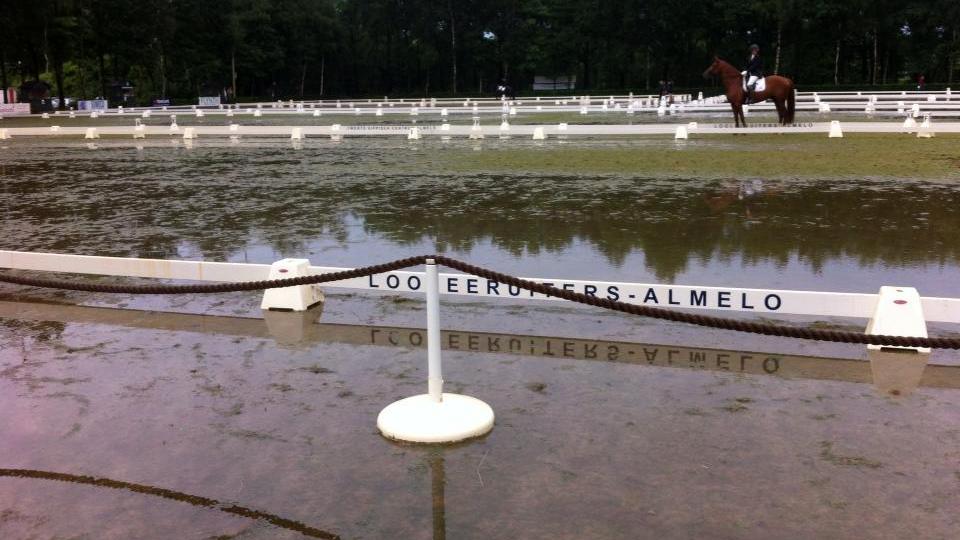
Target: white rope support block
<point>899,312</point>
<point>681,133</point>
<point>91,133</point>
<point>295,298</point>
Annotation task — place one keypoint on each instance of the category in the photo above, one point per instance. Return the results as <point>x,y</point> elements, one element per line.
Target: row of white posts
<point>504,130</point>
<point>436,416</point>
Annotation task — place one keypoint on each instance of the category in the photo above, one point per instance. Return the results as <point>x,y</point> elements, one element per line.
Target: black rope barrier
<point>819,334</point>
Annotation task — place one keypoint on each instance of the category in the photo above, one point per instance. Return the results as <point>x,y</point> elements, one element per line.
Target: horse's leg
<point>743,119</point>
<point>781,110</point>
<point>736,119</point>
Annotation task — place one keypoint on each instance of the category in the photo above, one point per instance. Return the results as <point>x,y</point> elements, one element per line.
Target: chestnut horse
<point>779,89</point>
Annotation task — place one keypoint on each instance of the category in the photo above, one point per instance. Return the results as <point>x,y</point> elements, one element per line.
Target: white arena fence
<point>880,103</point>
<point>478,131</point>
<point>438,417</point>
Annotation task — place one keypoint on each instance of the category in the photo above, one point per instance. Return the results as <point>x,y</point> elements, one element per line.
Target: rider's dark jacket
<point>755,66</point>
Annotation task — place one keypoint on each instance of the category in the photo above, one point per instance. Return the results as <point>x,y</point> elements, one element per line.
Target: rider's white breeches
<point>752,80</point>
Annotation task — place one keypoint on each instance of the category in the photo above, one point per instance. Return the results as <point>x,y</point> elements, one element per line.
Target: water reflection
<point>220,201</point>
<point>891,373</point>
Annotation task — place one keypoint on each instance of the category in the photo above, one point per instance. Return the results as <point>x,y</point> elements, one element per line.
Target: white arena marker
<point>539,134</point>
<point>435,417</point>
<point>294,298</point>
<point>916,110</point>
<point>199,113</point>
<point>54,128</point>
<point>476,132</point>
<point>909,125</point>
<point>229,113</point>
<point>443,112</point>
<point>925,130</point>
<point>316,112</point>
<point>91,133</point>
<point>692,126</point>
<point>413,134</point>
<point>174,128</point>
<point>45,116</point>
<point>835,131</point>
<point>681,133</point>
<point>899,312</point>
<point>824,107</point>
<point>583,110</point>
<point>145,114</point>
<point>94,114</point>
<point>138,131</point>
<point>296,134</point>
<point>257,113</point>
<point>4,134</point>
<point>189,133</point>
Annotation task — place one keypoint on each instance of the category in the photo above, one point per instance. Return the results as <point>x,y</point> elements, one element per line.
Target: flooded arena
<point>203,416</point>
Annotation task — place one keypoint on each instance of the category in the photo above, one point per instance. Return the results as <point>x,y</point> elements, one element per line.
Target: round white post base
<point>420,419</point>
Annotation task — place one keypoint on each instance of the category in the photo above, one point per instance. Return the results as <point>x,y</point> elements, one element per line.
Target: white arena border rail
<point>438,417</point>
<point>933,103</point>
<point>541,131</point>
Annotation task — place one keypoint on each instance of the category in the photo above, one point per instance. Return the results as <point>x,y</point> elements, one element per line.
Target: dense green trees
<point>312,48</point>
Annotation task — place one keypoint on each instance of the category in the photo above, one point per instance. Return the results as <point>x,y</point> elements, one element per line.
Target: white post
<point>434,366</point>
<point>435,417</point>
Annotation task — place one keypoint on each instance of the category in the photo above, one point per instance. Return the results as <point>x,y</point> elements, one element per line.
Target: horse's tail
<point>791,105</point>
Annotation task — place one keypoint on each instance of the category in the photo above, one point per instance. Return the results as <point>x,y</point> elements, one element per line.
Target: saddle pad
<point>761,84</point>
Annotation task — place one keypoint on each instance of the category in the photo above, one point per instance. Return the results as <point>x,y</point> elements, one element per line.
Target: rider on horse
<point>753,72</point>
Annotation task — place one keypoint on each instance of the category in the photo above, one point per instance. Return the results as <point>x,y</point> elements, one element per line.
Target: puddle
<point>607,425</point>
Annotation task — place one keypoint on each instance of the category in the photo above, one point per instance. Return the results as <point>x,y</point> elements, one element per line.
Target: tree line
<point>282,49</point>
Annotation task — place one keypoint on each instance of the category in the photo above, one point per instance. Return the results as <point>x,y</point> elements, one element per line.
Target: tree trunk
<point>776,62</point>
<point>163,78</point>
<point>646,84</point>
<point>952,57</point>
<point>323,64</point>
<point>58,75</point>
<point>103,76</point>
<point>836,66</point>
<point>3,74</point>
<point>453,45</point>
<point>233,72</point>
<point>303,77</point>
<point>876,63</point>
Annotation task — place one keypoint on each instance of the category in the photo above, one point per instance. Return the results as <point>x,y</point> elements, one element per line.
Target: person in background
<point>921,83</point>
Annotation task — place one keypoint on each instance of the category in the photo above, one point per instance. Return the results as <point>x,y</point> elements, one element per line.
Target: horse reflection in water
<point>746,192</point>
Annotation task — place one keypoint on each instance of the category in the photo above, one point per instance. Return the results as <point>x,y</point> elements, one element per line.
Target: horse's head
<point>714,68</point>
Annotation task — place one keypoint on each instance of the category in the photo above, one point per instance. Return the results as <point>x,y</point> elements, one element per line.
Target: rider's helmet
<point>754,48</point>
